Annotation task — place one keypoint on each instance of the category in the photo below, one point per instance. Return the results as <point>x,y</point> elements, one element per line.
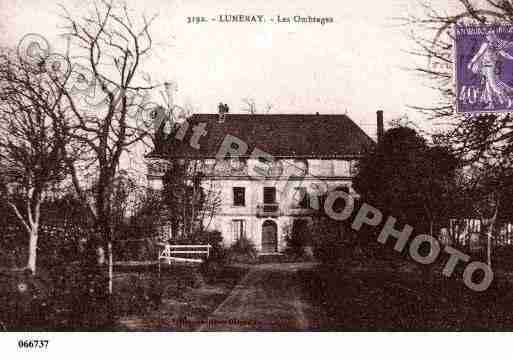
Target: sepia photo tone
<point>172,166</point>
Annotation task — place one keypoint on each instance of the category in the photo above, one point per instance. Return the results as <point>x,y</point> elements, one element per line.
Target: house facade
<point>268,170</point>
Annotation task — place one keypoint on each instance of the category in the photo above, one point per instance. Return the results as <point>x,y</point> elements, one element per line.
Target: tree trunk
<point>489,241</point>
<point>489,251</point>
<point>110,267</point>
<point>489,235</point>
<point>104,240</point>
<point>31,264</point>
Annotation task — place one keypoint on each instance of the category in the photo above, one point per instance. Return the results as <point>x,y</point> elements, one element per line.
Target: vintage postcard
<point>232,166</point>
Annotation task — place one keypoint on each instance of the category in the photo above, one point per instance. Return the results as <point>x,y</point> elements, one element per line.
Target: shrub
<point>25,300</point>
<point>7,258</point>
<point>135,250</point>
<point>136,295</point>
<point>243,250</point>
<point>327,242</point>
<point>215,239</point>
<point>212,266</point>
<point>298,238</point>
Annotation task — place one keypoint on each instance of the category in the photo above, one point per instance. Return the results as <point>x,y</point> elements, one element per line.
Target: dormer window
<point>300,168</point>
<point>237,164</point>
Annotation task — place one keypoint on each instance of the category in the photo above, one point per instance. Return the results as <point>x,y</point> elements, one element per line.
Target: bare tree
<point>482,141</point>
<point>250,106</point>
<point>486,135</point>
<point>109,47</point>
<point>191,199</point>
<point>31,141</point>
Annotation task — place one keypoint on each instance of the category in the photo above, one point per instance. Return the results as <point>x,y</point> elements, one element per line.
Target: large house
<point>278,166</point>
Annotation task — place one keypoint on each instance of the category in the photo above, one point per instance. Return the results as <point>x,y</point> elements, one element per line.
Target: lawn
<point>382,296</point>
<point>353,295</point>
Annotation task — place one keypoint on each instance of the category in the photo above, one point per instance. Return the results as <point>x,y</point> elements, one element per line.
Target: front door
<point>269,237</point>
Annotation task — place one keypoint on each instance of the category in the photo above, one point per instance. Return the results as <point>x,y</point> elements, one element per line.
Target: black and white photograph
<point>171,167</point>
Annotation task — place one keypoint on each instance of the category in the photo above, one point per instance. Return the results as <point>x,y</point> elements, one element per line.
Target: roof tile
<point>281,135</point>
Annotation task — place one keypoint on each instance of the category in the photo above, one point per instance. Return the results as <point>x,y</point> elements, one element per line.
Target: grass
<point>143,299</point>
<point>188,294</point>
<point>375,294</point>
<point>374,298</point>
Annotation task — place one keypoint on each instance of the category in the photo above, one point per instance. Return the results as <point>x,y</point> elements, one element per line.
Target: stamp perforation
<point>494,86</point>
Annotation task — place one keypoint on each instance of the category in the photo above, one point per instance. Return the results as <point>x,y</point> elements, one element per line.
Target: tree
<point>65,224</point>
<point>487,139</point>
<point>484,142</point>
<point>109,47</point>
<point>439,189</point>
<point>189,197</point>
<point>31,141</point>
<point>409,180</point>
<point>332,238</point>
<point>145,220</point>
<point>490,202</point>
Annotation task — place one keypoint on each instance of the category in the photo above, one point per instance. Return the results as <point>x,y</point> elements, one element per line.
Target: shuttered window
<point>269,195</point>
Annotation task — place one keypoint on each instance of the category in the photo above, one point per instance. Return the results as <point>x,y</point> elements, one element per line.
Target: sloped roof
<point>281,135</point>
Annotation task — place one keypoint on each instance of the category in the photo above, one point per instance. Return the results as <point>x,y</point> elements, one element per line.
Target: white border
<point>261,345</point>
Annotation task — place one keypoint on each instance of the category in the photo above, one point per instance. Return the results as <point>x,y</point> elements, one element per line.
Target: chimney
<point>381,130</point>
<point>169,88</point>
<point>223,109</point>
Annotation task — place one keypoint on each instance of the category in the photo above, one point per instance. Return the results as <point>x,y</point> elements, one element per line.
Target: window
<point>238,229</point>
<point>341,168</point>
<point>353,168</point>
<point>301,198</point>
<point>269,195</point>
<point>321,167</point>
<point>300,168</point>
<point>237,164</point>
<point>239,196</point>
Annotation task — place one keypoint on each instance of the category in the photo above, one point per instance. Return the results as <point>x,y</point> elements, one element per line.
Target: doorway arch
<point>269,237</point>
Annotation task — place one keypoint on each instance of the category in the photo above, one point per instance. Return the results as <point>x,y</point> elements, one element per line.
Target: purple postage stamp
<point>483,68</point>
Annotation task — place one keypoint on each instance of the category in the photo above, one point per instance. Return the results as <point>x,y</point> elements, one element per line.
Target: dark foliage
<point>377,299</point>
<point>215,239</point>
<point>183,197</point>
<point>298,239</point>
<point>13,239</point>
<point>145,221</point>
<point>242,250</point>
<point>333,240</point>
<point>409,180</point>
<point>24,299</point>
<point>64,223</point>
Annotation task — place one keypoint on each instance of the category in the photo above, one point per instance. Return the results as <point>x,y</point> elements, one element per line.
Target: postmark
<point>483,68</point>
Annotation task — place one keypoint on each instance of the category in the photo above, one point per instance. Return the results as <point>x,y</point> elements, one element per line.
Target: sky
<point>354,65</point>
